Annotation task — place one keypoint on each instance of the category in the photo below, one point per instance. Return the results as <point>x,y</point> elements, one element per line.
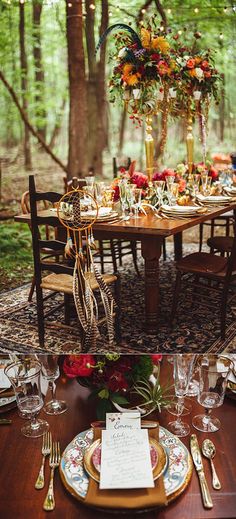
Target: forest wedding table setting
<point>139,443</point>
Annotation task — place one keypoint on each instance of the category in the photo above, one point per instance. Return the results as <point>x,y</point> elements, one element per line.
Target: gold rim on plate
<point>158,470</point>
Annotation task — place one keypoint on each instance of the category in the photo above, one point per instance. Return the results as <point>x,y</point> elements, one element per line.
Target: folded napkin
<point>127,499</point>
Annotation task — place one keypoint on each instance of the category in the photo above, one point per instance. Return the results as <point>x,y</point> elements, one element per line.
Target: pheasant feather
<point>134,35</point>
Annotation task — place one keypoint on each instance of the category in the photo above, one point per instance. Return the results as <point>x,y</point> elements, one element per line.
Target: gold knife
<point>197,459</point>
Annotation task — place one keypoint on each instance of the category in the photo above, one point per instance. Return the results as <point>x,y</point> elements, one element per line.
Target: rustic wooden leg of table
<point>178,239</point>
<point>151,251</point>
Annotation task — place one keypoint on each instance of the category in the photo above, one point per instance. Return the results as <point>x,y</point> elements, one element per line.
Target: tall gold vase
<point>190,143</point>
<point>149,148</point>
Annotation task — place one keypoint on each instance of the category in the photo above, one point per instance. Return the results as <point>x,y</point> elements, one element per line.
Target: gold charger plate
<point>95,474</point>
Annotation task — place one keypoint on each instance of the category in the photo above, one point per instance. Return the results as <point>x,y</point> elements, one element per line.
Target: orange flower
<point>205,64</point>
<point>207,73</point>
<point>192,72</point>
<point>127,68</point>
<point>198,60</point>
<point>146,38</point>
<point>132,79</point>
<point>160,44</point>
<point>190,63</point>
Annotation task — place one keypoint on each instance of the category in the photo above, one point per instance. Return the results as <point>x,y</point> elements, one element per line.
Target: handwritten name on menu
<point>130,420</point>
<point>125,459</point>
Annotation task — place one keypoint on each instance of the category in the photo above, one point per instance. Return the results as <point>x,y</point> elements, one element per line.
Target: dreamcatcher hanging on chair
<point>78,211</point>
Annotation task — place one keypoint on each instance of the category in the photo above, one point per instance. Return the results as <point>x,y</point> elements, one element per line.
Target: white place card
<point>123,421</point>
<point>125,460</point>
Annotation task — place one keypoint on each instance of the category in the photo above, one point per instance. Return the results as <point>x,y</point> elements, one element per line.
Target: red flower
<point>140,180</point>
<point>168,173</point>
<point>116,190</point>
<point>207,73</point>
<point>205,65</point>
<point>182,185</point>
<point>156,358</point>
<point>158,176</point>
<point>162,67</point>
<point>155,57</point>
<point>78,365</point>
<point>190,63</point>
<point>117,382</point>
<point>213,173</point>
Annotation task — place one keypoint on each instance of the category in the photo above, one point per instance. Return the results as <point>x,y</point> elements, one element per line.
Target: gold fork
<point>46,449</point>
<point>54,461</point>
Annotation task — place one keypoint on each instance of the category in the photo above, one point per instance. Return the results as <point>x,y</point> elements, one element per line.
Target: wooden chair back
<point>116,167</point>
<point>39,244</point>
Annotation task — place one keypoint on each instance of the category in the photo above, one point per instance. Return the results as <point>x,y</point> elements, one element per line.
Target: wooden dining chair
<point>225,221</point>
<point>25,207</point>
<point>218,271</point>
<point>60,277</point>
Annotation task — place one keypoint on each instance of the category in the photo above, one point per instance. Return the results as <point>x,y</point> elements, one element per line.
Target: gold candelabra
<point>149,147</point>
<point>190,143</point>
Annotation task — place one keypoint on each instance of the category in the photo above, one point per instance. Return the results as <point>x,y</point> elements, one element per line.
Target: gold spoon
<point>209,450</point>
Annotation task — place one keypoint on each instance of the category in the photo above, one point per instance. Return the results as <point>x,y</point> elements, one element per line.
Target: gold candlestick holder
<point>190,143</point>
<point>149,147</point>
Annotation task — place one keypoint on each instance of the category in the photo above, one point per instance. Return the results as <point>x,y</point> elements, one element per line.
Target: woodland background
<point>55,116</point>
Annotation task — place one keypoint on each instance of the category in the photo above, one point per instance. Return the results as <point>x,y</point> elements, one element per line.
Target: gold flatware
<point>54,462</point>
<point>209,450</point>
<point>46,449</point>
<point>197,459</point>
<point>4,421</point>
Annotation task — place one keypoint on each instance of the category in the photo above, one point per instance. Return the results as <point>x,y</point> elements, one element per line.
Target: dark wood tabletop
<point>150,230</point>
<point>20,459</point>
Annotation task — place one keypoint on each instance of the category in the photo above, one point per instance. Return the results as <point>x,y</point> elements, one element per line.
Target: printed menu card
<point>125,459</point>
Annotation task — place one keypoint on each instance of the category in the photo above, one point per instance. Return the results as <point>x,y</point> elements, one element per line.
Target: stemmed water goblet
<point>213,371</point>
<point>25,379</point>
<point>136,201</point>
<point>183,366</point>
<point>206,184</point>
<point>99,188</point>
<point>50,372</point>
<point>159,186</point>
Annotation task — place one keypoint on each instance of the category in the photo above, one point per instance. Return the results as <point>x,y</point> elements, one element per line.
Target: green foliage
<point>15,255</point>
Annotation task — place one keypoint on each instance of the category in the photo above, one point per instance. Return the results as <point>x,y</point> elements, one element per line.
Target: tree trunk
<point>24,85</point>
<point>122,130</point>
<point>41,115</point>
<point>77,158</point>
<point>97,104</point>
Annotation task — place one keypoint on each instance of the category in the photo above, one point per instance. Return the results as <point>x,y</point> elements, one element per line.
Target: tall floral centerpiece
<point>143,77</point>
<point>116,379</point>
<point>156,72</point>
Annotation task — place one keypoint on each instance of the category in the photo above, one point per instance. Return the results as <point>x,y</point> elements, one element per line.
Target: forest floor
<point>16,265</point>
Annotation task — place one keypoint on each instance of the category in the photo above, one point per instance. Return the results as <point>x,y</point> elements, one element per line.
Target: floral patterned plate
<point>176,476</point>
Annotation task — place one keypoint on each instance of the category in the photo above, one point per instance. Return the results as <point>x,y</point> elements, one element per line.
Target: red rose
<point>140,180</point>
<point>207,73</point>
<point>158,176</point>
<point>156,358</point>
<point>78,365</point>
<point>204,64</point>
<point>190,63</point>
<point>117,382</point>
<point>168,173</point>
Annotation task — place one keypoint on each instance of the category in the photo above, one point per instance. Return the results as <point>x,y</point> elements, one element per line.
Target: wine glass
<point>183,366</point>
<point>50,371</point>
<point>159,186</point>
<point>193,387</point>
<point>25,379</point>
<point>136,201</point>
<point>99,189</point>
<point>123,199</point>
<point>214,371</point>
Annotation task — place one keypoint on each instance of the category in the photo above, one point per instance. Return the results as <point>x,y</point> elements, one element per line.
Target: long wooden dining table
<point>150,231</point>
<point>20,459</point>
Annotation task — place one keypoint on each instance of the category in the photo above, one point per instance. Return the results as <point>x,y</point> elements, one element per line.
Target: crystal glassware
<point>50,372</point>
<point>183,366</point>
<point>159,186</point>
<point>214,371</point>
<point>25,379</point>
<point>136,201</point>
<point>123,196</point>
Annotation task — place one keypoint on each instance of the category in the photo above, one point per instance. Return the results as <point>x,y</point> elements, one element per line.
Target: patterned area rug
<point>197,329</point>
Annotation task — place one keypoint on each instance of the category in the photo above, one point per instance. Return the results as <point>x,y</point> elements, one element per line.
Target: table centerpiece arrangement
<point>120,382</point>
